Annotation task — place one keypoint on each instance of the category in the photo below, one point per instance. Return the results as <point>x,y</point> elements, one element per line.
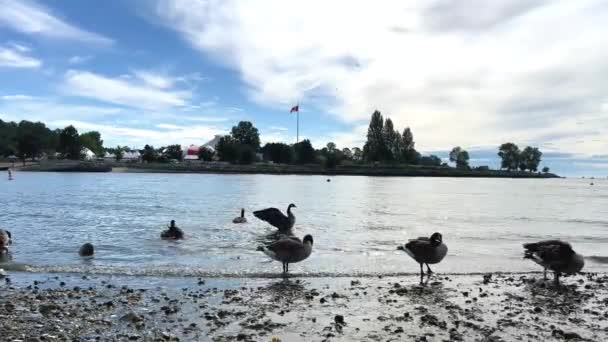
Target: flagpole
<point>298,126</point>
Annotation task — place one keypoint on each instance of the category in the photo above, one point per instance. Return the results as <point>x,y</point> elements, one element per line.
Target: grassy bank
<point>68,166</point>
<point>353,170</point>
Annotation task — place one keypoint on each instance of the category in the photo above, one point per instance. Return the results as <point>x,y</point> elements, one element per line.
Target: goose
<point>426,251</point>
<point>240,219</point>
<point>276,218</point>
<point>5,240</point>
<point>289,250</point>
<point>555,255</point>
<point>86,250</point>
<point>172,233</point>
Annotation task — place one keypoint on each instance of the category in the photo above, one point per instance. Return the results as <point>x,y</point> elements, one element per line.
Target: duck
<point>426,250</point>
<point>172,233</point>
<point>289,250</point>
<point>5,240</point>
<point>240,219</point>
<point>276,218</point>
<point>555,255</point>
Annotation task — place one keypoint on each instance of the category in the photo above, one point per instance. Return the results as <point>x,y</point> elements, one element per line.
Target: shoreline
<point>501,307</point>
<point>277,169</point>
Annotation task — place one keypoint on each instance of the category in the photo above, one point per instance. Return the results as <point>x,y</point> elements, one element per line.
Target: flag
<point>295,108</point>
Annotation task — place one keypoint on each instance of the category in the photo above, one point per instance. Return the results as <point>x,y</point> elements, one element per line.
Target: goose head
<point>308,239</point>
<point>291,206</point>
<point>436,239</point>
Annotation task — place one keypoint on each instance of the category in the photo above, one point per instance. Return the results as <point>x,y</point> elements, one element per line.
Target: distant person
<point>86,250</point>
<point>173,233</point>
<point>5,240</point>
<point>10,174</point>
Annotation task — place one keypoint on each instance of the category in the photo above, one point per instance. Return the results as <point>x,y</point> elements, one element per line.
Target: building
<point>191,153</point>
<point>213,142</point>
<point>131,156</point>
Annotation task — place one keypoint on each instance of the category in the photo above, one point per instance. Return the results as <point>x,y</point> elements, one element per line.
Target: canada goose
<point>289,250</point>
<point>276,218</point>
<point>555,255</point>
<point>5,240</point>
<point>426,251</point>
<point>172,233</point>
<point>240,219</point>
<point>86,250</point>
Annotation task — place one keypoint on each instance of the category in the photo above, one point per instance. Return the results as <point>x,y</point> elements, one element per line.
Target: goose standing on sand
<point>426,251</point>
<point>555,255</point>
<point>276,218</point>
<point>289,250</point>
<point>5,240</point>
<point>240,219</point>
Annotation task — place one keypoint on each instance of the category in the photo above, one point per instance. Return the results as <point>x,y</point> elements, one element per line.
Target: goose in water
<point>289,250</point>
<point>86,250</point>
<point>5,240</point>
<point>240,219</point>
<point>426,251</point>
<point>556,255</point>
<point>276,218</point>
<point>172,233</point>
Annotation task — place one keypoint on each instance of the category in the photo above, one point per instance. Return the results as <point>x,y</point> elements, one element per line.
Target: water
<point>356,222</point>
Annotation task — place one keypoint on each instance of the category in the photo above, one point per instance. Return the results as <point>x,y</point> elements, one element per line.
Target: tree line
<point>32,140</point>
<point>527,159</point>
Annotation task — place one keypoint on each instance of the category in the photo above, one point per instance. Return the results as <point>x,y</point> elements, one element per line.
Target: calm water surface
<point>356,222</point>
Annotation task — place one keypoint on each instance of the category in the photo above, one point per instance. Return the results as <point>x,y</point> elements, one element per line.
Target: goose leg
<point>545,273</point>
<point>556,279</point>
<point>287,267</point>
<point>428,270</point>
<point>284,269</point>
<point>421,274</point>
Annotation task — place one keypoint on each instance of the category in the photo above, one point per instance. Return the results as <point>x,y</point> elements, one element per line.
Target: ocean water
<point>356,222</point>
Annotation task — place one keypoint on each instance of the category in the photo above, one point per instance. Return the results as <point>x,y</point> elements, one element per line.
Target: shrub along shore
<point>280,169</point>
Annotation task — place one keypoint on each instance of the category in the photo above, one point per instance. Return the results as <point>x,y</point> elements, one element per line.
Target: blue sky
<point>472,73</point>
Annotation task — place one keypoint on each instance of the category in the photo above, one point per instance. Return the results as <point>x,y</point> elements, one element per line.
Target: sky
<point>459,73</point>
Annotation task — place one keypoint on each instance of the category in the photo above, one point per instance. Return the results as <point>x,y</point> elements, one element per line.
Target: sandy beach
<point>497,307</point>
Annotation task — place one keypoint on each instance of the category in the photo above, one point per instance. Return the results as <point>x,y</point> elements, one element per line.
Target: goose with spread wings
<point>276,218</point>
<point>555,255</point>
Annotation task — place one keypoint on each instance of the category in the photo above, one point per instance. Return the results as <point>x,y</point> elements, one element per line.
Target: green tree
<point>546,169</point>
<point>226,149</point>
<point>460,157</point>
<point>69,143</point>
<point>509,154</point>
<point>92,141</point>
<point>205,153</point>
<point>431,160</point>
<point>530,158</point>
<point>409,153</point>
<point>246,134</point>
<point>392,141</point>
<point>304,152</point>
<point>119,153</point>
<point>174,152</point>
<point>375,147</point>
<point>149,154</point>
<point>347,153</point>
<point>31,137</point>
<point>8,138</point>
<point>278,153</point>
<point>357,154</point>
<point>246,154</point>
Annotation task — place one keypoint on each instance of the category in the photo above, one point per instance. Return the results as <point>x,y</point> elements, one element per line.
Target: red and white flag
<point>295,108</point>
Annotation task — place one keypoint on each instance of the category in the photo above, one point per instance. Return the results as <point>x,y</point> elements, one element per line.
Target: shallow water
<point>356,222</point>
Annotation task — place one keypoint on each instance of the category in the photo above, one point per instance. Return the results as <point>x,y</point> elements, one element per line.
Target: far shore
<point>280,169</point>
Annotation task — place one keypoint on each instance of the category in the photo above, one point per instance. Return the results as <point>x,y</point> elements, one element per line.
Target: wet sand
<point>500,307</point>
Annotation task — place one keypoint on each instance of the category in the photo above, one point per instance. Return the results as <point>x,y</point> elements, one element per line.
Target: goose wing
<point>551,252</point>
<point>273,216</point>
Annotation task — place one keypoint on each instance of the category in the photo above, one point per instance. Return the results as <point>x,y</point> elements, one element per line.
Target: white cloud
<point>79,59</point>
<point>13,57</point>
<point>32,18</point>
<point>458,73</point>
<point>123,91</point>
<point>16,97</point>
<point>154,80</point>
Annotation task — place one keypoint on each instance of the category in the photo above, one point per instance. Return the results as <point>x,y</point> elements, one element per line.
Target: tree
<point>31,139</point>
<point>530,158</point>
<point>357,154</point>
<point>331,147</point>
<point>278,153</point>
<point>460,157</point>
<point>509,153</point>
<point>347,153</point>
<point>119,153</point>
<point>92,141</point>
<point>246,134</point>
<point>304,152</point>
<point>205,153</point>
<point>375,147</point>
<point>431,160</point>
<point>226,149</point>
<point>245,154</point>
<point>545,169</point>
<point>69,143</point>
<point>174,152</point>
<point>149,154</point>
<point>409,153</point>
